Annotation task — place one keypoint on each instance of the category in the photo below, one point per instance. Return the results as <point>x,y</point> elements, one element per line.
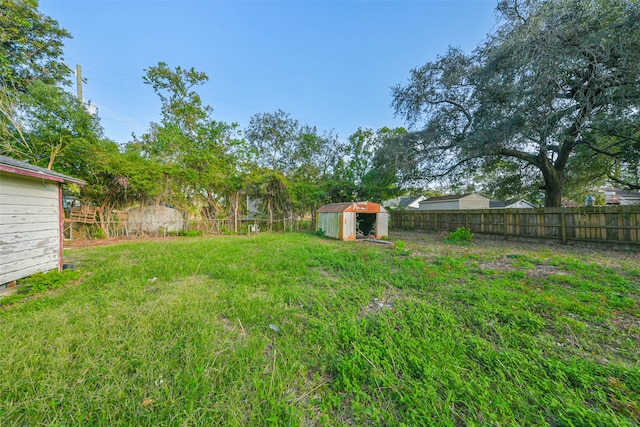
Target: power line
<point>123,121</point>
<point>237,104</point>
<point>107,69</point>
<point>122,87</point>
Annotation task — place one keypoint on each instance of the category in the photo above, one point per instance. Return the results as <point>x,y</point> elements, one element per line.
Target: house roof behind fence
<point>451,197</point>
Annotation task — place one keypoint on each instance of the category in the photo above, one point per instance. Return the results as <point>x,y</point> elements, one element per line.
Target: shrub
<point>319,232</point>
<point>190,233</point>
<point>401,247</point>
<point>461,236</point>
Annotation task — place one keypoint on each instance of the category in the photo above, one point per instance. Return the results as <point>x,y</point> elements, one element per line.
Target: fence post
<point>435,221</point>
<point>563,225</point>
<point>505,225</point>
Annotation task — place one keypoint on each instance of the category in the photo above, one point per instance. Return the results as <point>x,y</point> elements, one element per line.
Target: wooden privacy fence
<point>609,225</point>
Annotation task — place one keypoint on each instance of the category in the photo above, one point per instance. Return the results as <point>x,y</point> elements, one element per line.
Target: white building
<point>455,202</point>
<point>31,219</point>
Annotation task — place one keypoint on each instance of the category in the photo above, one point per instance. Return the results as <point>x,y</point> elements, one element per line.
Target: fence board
<point>606,225</point>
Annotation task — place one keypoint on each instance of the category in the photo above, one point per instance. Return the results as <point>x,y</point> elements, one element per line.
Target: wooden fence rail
<point>617,225</point>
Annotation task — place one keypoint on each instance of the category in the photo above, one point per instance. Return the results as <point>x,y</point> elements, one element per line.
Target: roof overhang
<point>25,169</point>
<point>358,207</point>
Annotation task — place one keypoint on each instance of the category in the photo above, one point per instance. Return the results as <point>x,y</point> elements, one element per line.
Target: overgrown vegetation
<point>400,247</point>
<point>38,283</point>
<point>319,232</point>
<point>462,236</point>
<point>295,330</point>
<point>207,169</point>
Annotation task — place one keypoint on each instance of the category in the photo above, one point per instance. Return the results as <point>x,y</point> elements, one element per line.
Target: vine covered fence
<point>123,226</point>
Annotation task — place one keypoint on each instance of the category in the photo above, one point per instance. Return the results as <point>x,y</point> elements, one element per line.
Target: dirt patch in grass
<point>87,243</point>
<point>378,305</point>
<point>507,266</point>
<point>429,245</point>
<point>326,274</point>
<point>629,324</point>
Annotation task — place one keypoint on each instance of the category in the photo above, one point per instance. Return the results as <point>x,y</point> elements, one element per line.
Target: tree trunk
<point>553,185</point>
<point>236,207</point>
<point>104,215</point>
<point>553,194</point>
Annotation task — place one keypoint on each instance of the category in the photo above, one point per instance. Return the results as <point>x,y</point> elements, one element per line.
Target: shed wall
<point>349,226</point>
<point>330,222</point>
<point>382,225</point>
<point>29,227</point>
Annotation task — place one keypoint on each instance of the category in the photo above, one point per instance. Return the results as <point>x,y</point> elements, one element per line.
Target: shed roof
<point>360,207</point>
<point>10,165</point>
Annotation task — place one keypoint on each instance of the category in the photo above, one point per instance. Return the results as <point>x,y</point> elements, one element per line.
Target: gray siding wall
<point>440,205</point>
<point>474,202</point>
<point>29,227</point>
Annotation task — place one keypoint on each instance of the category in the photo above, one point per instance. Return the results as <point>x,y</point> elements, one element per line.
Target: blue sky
<point>329,64</point>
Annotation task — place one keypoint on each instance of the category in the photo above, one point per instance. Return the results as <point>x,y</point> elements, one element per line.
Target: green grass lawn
<point>298,330</point>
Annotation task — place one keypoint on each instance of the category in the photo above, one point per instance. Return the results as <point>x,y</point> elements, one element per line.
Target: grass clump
<point>293,330</point>
<point>462,236</point>
<point>400,247</point>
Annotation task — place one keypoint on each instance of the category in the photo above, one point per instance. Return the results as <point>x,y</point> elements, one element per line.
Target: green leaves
<point>553,78</point>
<point>30,46</point>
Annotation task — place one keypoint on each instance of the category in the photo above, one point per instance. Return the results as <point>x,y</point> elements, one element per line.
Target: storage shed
<point>353,220</point>
<point>455,202</point>
<point>31,219</point>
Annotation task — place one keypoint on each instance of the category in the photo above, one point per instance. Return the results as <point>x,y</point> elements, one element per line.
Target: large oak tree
<point>557,78</point>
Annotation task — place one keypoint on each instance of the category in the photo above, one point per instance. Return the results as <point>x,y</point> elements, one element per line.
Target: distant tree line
<point>203,167</point>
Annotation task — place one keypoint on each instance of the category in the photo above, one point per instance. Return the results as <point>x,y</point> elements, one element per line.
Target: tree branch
<point>623,182</point>
<point>527,157</point>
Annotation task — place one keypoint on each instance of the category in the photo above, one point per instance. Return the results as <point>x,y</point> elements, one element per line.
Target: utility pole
<point>79,81</point>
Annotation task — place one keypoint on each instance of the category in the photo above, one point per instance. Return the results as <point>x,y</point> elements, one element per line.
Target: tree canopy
<point>558,80</point>
<point>31,67</point>
<point>31,46</point>
<point>204,167</point>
